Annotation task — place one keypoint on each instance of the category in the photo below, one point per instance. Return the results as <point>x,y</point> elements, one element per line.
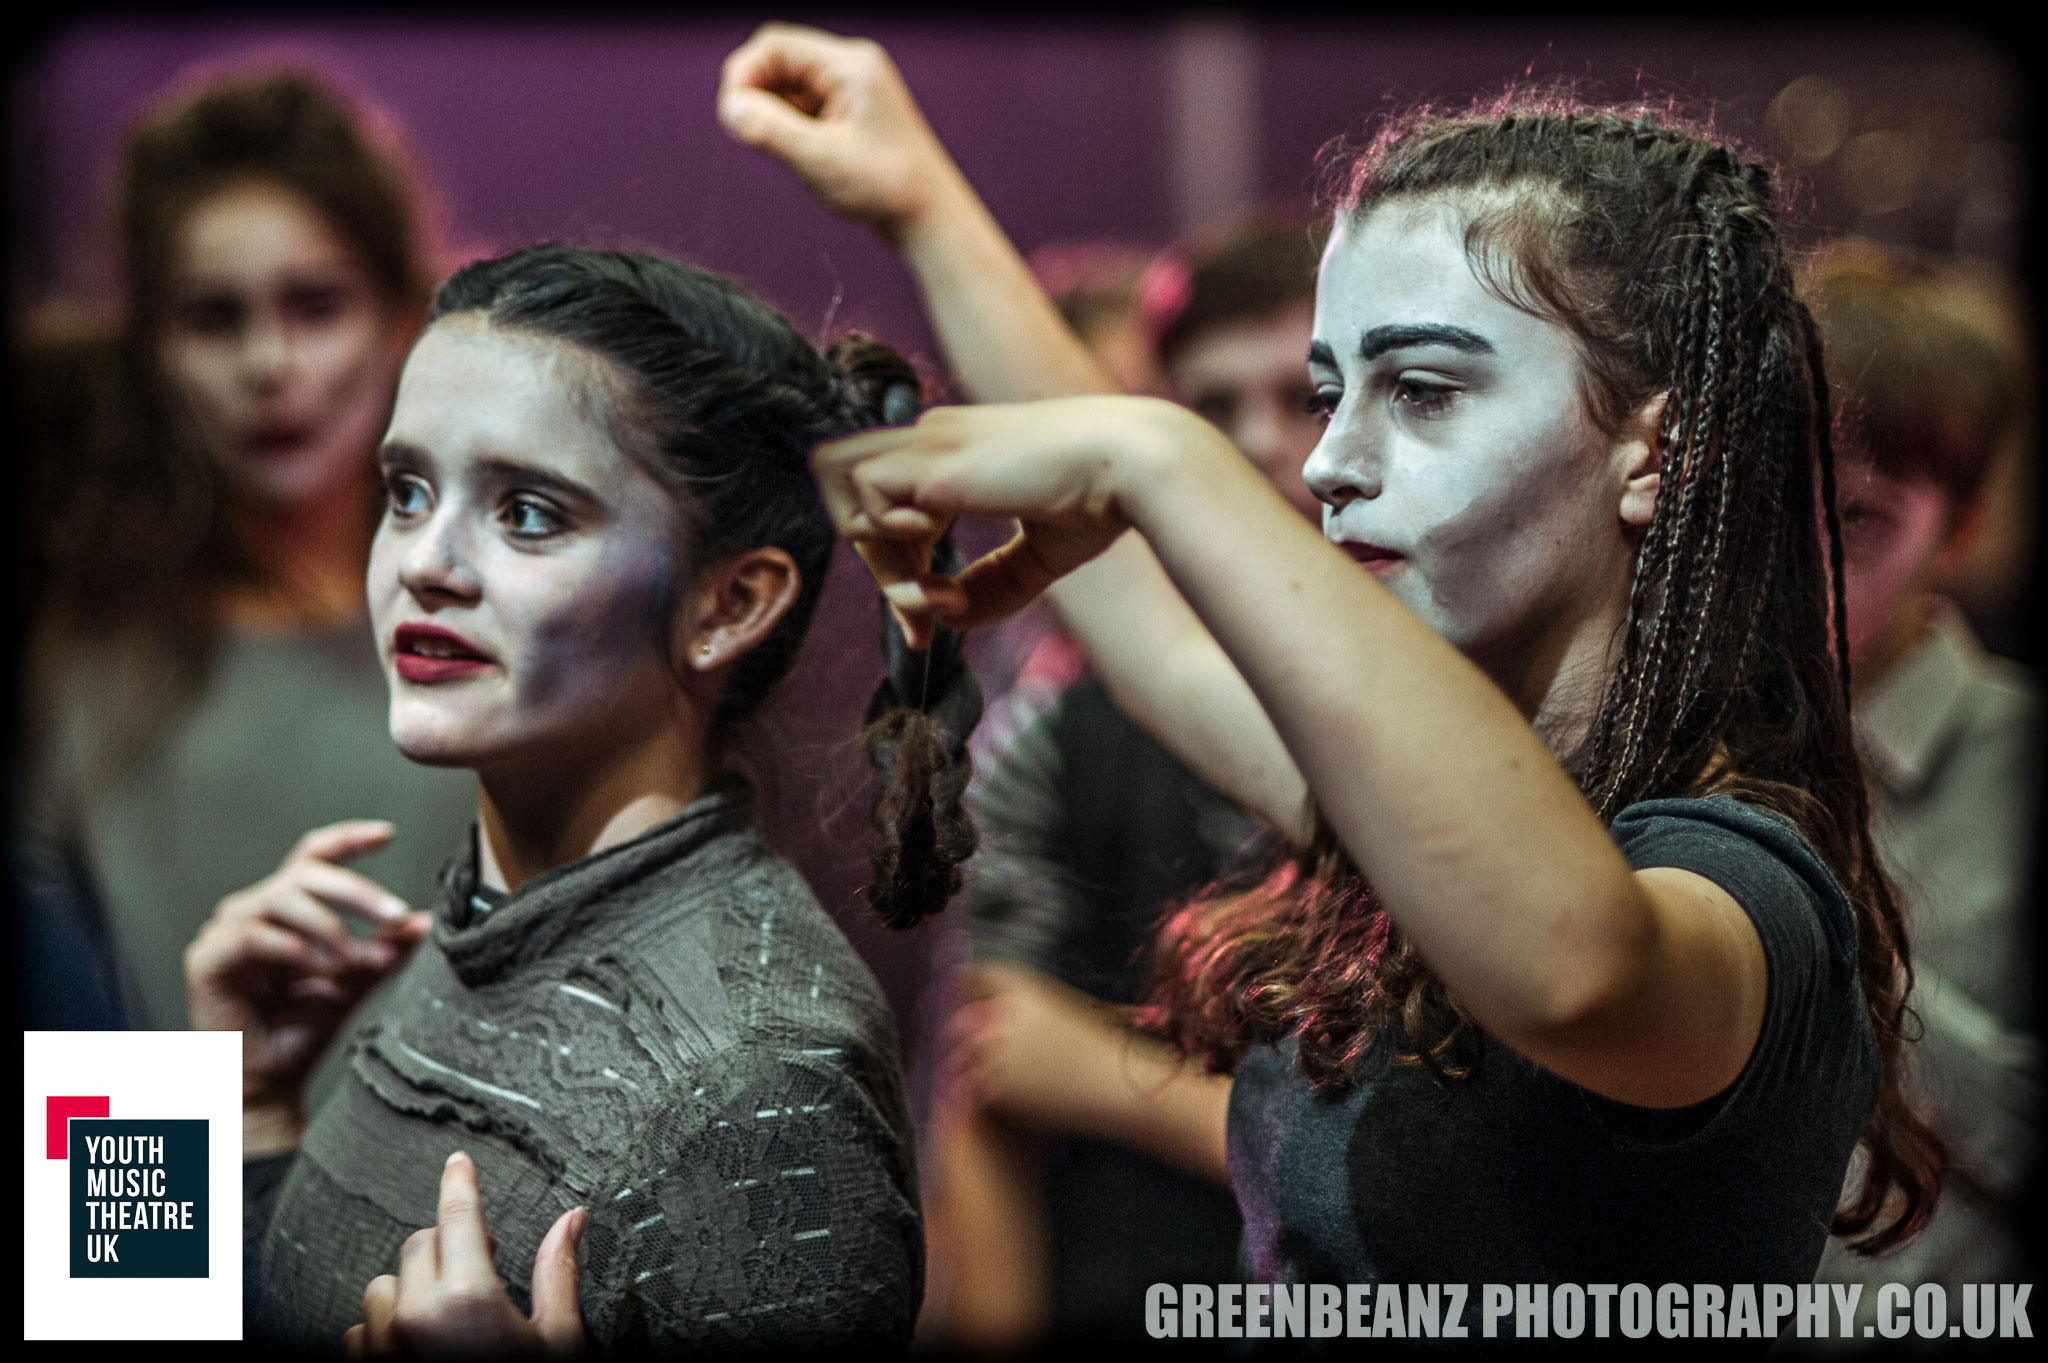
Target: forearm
<point>987,1280</point>
<point>1167,1108</point>
<point>1167,672</point>
<point>1002,338</point>
<point>1004,341</point>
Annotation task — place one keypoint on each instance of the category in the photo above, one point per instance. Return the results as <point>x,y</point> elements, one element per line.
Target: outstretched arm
<point>1645,986</point>
<point>837,112</point>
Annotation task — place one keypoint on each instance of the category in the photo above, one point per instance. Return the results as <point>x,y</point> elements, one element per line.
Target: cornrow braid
<point>1656,244</point>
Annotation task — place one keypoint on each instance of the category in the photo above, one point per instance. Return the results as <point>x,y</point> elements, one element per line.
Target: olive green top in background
<point>290,732</point>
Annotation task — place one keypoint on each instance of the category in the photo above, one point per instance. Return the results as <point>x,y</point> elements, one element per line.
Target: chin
<point>433,738</point>
<point>298,479</point>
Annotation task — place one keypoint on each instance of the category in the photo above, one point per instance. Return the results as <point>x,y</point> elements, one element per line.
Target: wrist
<point>946,213</point>
<point>270,1127</point>
<point>1161,455</point>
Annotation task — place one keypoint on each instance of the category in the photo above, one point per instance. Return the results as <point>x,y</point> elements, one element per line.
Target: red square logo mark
<point>61,1111</point>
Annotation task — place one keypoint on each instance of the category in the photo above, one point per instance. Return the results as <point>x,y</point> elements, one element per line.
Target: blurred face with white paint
<point>278,348</point>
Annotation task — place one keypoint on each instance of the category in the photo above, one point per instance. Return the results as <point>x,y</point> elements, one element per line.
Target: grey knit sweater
<point>670,1032</point>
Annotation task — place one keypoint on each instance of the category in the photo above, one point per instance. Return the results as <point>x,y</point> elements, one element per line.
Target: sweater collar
<point>535,920</point>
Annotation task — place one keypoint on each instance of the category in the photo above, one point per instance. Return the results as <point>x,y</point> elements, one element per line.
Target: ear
<point>1638,451</point>
<point>734,605</point>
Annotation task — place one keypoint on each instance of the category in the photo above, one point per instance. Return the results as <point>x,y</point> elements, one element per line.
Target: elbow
<point>1599,973</point>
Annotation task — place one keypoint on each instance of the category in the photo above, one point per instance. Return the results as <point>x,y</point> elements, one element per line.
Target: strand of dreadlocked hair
<point>1657,246</point>
<point>920,717</point>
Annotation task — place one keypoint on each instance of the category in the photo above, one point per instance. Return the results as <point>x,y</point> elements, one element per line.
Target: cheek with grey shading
<point>586,639</point>
<point>1491,530</point>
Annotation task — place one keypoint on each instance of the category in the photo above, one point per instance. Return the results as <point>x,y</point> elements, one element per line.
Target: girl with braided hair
<point>1580,967</point>
<point>627,1027</point>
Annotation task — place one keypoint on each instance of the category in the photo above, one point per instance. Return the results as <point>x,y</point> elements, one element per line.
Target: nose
<point>435,567</point>
<point>266,355</point>
<point>1344,466</point>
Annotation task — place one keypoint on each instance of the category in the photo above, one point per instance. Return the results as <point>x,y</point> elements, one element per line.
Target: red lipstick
<point>428,653</point>
<point>1378,560</point>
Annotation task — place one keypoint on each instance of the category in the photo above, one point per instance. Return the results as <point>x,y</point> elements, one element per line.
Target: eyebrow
<point>513,471</point>
<point>404,455</point>
<point>1380,340</point>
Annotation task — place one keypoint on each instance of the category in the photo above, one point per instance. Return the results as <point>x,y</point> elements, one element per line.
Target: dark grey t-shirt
<point>1514,1175</point>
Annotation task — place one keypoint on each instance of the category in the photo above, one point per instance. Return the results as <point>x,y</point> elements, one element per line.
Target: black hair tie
<point>936,682</point>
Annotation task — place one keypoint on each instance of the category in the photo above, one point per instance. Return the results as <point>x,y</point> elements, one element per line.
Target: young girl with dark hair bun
<point>628,1028</point>
<point>1583,969</point>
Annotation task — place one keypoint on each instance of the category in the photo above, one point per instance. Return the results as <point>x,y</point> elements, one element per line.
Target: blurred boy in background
<point>1924,395</point>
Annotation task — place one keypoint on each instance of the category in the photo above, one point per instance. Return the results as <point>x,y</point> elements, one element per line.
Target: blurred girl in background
<point>202,683</point>
<point>1090,829</point>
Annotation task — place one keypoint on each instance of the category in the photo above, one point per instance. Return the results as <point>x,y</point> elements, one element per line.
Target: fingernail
<point>578,1219</point>
<point>454,1157</point>
<point>906,596</point>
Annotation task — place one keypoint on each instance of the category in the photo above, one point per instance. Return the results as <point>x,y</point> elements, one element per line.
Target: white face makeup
<point>519,577</point>
<point>277,344</point>
<point>1459,464</point>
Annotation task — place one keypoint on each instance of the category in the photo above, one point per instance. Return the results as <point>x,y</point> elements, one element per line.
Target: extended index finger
<point>343,841</point>
<point>465,1244</point>
<point>832,465</point>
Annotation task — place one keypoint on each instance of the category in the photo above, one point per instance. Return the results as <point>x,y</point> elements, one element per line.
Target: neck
<point>309,559</point>
<point>1558,679</point>
<point>547,814</point>
<point>1901,635</point>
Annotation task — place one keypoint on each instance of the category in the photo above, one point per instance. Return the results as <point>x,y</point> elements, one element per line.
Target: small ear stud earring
<point>704,650</point>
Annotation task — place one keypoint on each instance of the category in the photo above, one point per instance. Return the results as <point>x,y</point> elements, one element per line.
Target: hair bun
<point>872,383</point>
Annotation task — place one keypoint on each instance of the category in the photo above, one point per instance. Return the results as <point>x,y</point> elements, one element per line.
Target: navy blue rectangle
<point>129,1217</point>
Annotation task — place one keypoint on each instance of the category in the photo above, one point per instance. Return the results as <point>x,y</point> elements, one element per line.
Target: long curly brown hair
<point>1658,246</point>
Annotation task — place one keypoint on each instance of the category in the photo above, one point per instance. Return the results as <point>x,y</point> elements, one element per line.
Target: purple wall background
<point>604,133</point>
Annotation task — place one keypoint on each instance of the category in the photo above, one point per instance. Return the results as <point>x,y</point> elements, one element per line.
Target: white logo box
<point>144,1076</point>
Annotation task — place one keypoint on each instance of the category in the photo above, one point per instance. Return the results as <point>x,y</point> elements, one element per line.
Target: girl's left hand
<point>447,1299</point>
<point>1061,467</point>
